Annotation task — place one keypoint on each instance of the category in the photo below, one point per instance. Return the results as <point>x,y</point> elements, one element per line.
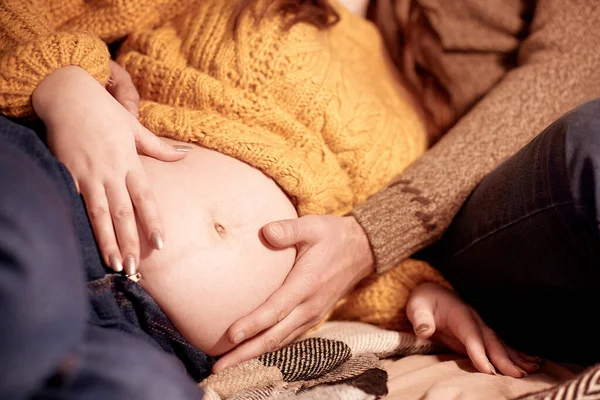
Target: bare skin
<point>439,313</point>
<point>98,140</point>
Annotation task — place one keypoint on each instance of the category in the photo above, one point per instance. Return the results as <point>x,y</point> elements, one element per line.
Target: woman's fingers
<point>145,207</point>
<point>419,310</point>
<point>122,88</point>
<point>528,363</point>
<point>467,331</point>
<point>496,351</point>
<point>98,211</point>
<point>149,144</point>
<point>123,217</point>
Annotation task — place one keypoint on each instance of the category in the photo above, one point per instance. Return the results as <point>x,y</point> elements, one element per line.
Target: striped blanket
<point>342,360</point>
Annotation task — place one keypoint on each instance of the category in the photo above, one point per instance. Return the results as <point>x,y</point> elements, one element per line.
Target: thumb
<point>290,232</point>
<point>419,311</point>
<point>149,144</point>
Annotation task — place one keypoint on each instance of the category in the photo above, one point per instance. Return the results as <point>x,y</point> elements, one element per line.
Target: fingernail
<point>133,108</point>
<point>115,263</point>
<point>492,369</point>
<point>522,371</point>
<point>239,338</point>
<point>182,149</point>
<point>534,365</point>
<point>129,265</point>
<point>157,240</point>
<point>422,328</point>
<point>276,229</point>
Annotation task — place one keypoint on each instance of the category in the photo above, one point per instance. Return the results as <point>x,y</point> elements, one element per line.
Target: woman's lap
<point>525,249</point>
<point>55,249</point>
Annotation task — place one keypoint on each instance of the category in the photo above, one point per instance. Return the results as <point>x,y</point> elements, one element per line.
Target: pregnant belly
<point>215,266</point>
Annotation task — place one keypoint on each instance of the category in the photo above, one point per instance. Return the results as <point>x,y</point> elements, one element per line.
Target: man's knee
<point>582,131</point>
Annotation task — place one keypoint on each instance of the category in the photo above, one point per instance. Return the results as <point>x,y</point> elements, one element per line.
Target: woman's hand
<point>333,255</point>
<point>438,313</point>
<point>96,138</point>
<point>122,88</point>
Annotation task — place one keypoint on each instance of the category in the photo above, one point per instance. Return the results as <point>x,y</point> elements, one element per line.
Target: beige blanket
<point>446,377</point>
<point>354,360</point>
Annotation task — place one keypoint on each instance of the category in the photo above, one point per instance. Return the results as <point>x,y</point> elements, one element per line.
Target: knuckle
<point>129,90</point>
<point>123,213</point>
<point>295,228</point>
<point>270,343</point>
<point>315,313</point>
<point>107,245</point>
<point>142,196</point>
<point>310,279</point>
<point>129,244</point>
<point>319,222</point>
<point>98,212</point>
<point>277,313</point>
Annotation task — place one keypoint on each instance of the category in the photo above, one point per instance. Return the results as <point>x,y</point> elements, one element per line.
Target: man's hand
<point>333,255</point>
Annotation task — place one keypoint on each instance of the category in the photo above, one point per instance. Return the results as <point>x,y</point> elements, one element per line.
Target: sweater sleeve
<point>30,49</point>
<point>558,68</point>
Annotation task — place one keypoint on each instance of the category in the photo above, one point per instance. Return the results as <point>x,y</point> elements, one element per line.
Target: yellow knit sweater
<point>318,111</point>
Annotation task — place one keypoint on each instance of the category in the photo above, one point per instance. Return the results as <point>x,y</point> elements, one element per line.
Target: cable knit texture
<point>318,111</point>
<point>38,37</point>
<point>321,112</point>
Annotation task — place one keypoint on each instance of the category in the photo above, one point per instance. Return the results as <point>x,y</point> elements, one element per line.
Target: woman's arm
<point>60,74</point>
<point>38,37</point>
<point>31,49</point>
<point>559,68</point>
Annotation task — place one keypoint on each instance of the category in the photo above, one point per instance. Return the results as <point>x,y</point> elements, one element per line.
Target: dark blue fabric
<point>524,250</point>
<point>120,303</point>
<point>58,340</point>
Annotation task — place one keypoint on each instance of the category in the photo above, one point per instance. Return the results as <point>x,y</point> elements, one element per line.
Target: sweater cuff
<point>26,65</point>
<point>399,221</point>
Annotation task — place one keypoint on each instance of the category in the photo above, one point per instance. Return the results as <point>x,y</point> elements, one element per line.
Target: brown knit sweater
<point>505,69</point>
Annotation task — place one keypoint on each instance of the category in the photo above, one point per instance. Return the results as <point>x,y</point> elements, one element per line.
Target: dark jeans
<point>524,250</point>
<point>61,337</point>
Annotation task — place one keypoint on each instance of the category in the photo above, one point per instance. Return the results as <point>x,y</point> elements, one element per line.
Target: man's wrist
<point>361,245</point>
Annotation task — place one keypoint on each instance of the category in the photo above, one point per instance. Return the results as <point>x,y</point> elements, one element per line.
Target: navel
<point>220,229</point>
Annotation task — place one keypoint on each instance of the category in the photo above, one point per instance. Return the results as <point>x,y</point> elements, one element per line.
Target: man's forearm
<point>559,69</point>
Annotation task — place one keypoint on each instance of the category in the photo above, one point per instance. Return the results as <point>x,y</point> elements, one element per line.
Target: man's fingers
<point>123,217</point>
<point>299,331</point>
<point>278,306</point>
<point>122,88</point>
<point>304,230</point>
<point>98,211</point>
<point>145,207</point>
<point>149,144</point>
<point>269,340</point>
<point>419,310</point>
